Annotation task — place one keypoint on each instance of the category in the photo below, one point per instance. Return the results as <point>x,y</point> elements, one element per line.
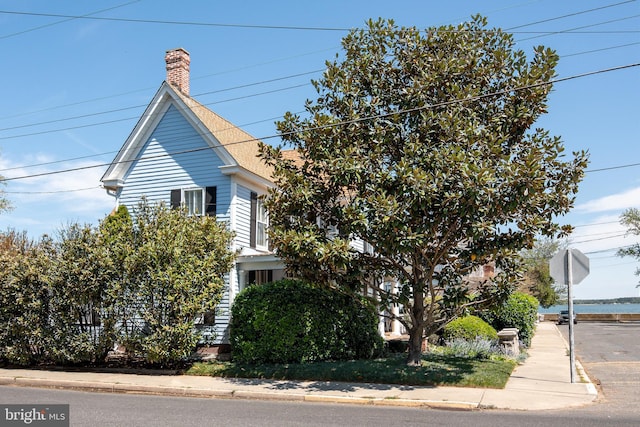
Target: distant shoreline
<point>625,300</point>
<point>595,308</point>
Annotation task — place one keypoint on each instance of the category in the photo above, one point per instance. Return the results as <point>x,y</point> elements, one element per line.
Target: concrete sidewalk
<point>542,382</point>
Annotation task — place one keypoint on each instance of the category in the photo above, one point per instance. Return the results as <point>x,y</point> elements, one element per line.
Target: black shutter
<point>252,277</point>
<point>254,211</point>
<point>176,195</point>
<point>210,201</point>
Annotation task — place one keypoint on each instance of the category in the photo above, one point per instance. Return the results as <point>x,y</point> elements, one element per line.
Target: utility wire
<point>113,152</point>
<point>195,95</point>
<point>65,20</point>
<point>596,223</point>
<point>117,110</point>
<point>508,29</point>
<point>570,15</point>
<point>614,167</point>
<point>609,250</point>
<point>53,192</point>
<point>346,122</point>
<point>133,118</point>
<point>246,26</point>
<point>574,29</point>
<point>600,50</point>
<point>168,22</point>
<point>599,239</point>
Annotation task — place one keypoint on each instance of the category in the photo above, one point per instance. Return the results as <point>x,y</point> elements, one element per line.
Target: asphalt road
<point>610,353</point>
<point>121,410</point>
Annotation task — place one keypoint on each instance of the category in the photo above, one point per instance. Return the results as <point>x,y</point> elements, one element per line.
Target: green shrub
<point>469,328</point>
<point>519,311</point>
<point>477,348</point>
<point>291,321</point>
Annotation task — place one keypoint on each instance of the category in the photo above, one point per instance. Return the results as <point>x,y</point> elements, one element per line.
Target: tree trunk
<point>417,326</point>
<point>415,346</point>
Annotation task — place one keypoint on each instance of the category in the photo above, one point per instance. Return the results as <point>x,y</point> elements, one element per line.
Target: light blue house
<point>180,152</point>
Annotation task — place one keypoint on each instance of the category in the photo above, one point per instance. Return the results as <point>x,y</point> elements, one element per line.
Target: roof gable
<point>237,148</point>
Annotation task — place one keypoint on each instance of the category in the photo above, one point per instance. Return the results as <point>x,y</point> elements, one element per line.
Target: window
<point>260,277</point>
<point>194,202</point>
<point>197,201</point>
<point>259,222</point>
<point>88,315</point>
<point>208,318</point>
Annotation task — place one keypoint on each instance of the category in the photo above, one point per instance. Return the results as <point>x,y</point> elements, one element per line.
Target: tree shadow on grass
<point>380,374</point>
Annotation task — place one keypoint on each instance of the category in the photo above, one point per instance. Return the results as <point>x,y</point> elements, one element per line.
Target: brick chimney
<point>178,69</point>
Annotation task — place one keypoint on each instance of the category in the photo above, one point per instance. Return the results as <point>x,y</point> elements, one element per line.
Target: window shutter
<point>210,201</point>
<point>253,226</point>
<point>175,198</point>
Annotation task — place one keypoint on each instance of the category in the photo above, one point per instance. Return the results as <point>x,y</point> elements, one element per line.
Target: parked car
<point>563,317</point>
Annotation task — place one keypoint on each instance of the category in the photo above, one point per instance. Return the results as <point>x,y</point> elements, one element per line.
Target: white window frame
<point>191,205</point>
<point>262,224</point>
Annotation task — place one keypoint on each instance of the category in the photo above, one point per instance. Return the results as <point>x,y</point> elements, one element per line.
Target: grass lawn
<point>436,369</point>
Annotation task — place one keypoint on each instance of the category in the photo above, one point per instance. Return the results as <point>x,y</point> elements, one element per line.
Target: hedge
<point>519,311</point>
<point>469,328</point>
<point>291,321</point>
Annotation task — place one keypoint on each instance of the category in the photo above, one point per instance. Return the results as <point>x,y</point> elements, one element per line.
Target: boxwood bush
<point>291,321</point>
<point>519,311</point>
<point>469,328</point>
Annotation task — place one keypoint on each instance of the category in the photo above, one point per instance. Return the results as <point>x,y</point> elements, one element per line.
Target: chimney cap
<point>178,49</point>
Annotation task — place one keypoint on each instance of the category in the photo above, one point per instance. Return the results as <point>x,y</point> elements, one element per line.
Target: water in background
<point>593,308</point>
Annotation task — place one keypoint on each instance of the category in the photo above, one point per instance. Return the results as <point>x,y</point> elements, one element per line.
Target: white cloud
<point>45,203</point>
<point>614,202</point>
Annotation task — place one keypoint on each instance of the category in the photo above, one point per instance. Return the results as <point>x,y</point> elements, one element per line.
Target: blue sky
<point>73,89</point>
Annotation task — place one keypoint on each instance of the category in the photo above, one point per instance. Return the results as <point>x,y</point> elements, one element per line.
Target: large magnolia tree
<point>420,144</point>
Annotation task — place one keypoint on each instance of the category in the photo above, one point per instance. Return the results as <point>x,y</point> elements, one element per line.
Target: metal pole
<point>572,357</point>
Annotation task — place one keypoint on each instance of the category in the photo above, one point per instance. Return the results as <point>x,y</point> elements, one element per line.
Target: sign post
<point>569,267</point>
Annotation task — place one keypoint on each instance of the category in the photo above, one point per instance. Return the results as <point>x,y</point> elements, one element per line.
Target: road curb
<point>582,373</point>
<point>235,394</point>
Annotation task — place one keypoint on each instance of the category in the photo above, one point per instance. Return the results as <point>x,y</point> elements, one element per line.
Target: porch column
<point>396,326</point>
<point>381,318</point>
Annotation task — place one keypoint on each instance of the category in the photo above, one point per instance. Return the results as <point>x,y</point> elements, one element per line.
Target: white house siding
<point>171,164</point>
<point>243,217</point>
<point>169,167</point>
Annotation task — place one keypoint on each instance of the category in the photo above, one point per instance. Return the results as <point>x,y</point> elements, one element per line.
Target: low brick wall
<point>598,317</point>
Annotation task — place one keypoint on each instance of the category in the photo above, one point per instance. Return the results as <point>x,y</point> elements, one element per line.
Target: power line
<point>112,152</point>
<point>253,26</point>
<point>133,118</point>
<point>144,105</point>
<point>573,30</point>
<point>168,22</point>
<point>58,161</point>
<point>65,20</point>
<point>614,167</point>
<point>196,95</point>
<point>608,250</point>
<point>111,96</point>
<point>599,239</point>
<point>596,223</point>
<point>53,192</point>
<point>570,15</point>
<point>346,122</point>
<point>600,50</point>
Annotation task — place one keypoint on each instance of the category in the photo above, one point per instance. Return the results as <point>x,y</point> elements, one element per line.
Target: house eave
<point>244,174</point>
<point>113,184</point>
